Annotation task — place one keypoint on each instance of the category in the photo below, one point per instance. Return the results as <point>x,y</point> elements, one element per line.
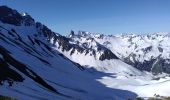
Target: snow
<point>123,76</point>
<point>62,74</point>
<point>125,45</point>
<point>101,80</point>
<point>24,14</point>
<point>142,87</point>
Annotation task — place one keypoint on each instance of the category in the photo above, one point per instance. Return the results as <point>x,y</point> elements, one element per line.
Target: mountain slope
<point>32,69</point>
<point>37,63</point>
<point>91,54</point>
<point>140,51</point>
<point>123,76</point>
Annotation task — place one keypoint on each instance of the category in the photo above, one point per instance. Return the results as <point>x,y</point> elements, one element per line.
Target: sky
<point>98,16</point>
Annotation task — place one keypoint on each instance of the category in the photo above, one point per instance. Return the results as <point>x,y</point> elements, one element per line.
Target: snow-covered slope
<point>140,51</point>
<point>32,69</point>
<point>91,54</point>
<point>37,63</point>
<point>123,76</point>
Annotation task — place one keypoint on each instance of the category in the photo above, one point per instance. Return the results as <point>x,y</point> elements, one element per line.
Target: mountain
<point>144,52</point>
<point>32,69</point>
<point>91,54</point>
<point>37,63</point>
<point>152,65</point>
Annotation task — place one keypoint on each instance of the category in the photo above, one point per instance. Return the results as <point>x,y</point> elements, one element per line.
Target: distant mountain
<point>37,63</point>
<point>145,52</point>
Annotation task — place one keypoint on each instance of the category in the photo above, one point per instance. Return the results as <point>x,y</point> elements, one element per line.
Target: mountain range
<point>37,63</point>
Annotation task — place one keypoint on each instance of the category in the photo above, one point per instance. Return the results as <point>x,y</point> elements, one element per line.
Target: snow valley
<point>37,63</point>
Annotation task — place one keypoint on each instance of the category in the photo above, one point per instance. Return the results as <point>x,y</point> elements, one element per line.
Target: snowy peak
<point>140,51</point>
<point>86,41</point>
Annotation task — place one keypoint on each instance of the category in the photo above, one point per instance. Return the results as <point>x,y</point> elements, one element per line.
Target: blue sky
<point>99,16</point>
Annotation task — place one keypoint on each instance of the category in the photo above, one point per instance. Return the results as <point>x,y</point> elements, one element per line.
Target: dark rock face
<point>10,16</point>
<point>107,55</point>
<point>66,46</point>
<point>160,49</point>
<point>163,65</point>
<point>6,73</point>
<point>72,32</point>
<point>145,66</point>
<point>146,50</point>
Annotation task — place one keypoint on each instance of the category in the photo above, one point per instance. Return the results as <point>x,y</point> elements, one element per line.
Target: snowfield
<point>35,66</point>
<point>139,85</point>
<point>124,76</point>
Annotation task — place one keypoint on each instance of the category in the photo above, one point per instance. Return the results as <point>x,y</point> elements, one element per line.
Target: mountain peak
<point>10,16</point>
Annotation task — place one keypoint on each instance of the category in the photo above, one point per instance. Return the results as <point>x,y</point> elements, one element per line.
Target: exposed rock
<point>10,16</point>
